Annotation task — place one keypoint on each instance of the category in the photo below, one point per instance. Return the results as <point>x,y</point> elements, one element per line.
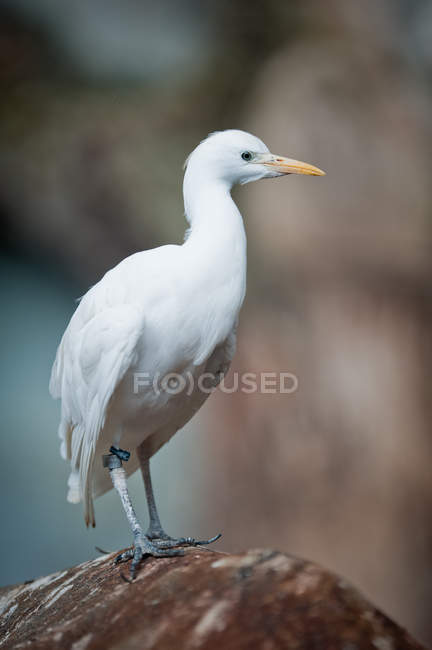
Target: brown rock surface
<point>259,599</point>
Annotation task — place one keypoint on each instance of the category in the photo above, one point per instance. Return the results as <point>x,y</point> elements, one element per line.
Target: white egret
<point>173,309</point>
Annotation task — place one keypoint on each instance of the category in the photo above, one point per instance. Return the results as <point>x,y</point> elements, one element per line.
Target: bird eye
<point>246,155</point>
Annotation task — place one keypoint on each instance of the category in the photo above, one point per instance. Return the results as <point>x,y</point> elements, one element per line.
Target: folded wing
<point>98,347</point>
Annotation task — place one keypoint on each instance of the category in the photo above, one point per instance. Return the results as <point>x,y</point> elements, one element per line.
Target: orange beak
<point>288,165</point>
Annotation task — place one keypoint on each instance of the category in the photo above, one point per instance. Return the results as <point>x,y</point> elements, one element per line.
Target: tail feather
<point>85,473</point>
<point>74,493</point>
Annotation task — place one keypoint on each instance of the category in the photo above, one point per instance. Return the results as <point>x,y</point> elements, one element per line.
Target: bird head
<point>234,156</point>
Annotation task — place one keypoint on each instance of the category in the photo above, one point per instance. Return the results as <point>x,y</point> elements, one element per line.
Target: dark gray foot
<point>166,542</point>
<point>143,546</point>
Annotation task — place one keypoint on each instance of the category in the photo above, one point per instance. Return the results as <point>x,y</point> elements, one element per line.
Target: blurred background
<point>100,104</point>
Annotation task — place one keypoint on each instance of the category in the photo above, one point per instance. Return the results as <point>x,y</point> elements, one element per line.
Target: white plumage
<point>173,309</point>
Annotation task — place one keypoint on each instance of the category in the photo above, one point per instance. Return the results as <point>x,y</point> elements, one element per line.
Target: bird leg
<point>155,532</point>
<point>142,544</point>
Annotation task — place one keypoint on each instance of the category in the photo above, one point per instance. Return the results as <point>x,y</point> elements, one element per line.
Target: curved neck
<point>212,214</point>
<point>217,239</point>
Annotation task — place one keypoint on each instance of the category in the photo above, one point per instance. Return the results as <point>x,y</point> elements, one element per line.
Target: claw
<point>204,542</point>
<point>185,541</point>
<point>191,541</point>
<point>100,550</point>
<point>137,557</point>
<point>125,578</point>
<point>124,557</point>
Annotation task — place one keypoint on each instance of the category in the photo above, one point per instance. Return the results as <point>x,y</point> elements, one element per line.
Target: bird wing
<point>97,349</point>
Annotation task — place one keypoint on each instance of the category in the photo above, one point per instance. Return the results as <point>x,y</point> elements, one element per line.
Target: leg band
<point>120,453</point>
<point>115,457</point>
<point>111,461</point>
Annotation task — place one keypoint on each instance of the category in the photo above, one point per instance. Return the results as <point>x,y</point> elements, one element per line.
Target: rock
<point>256,600</point>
